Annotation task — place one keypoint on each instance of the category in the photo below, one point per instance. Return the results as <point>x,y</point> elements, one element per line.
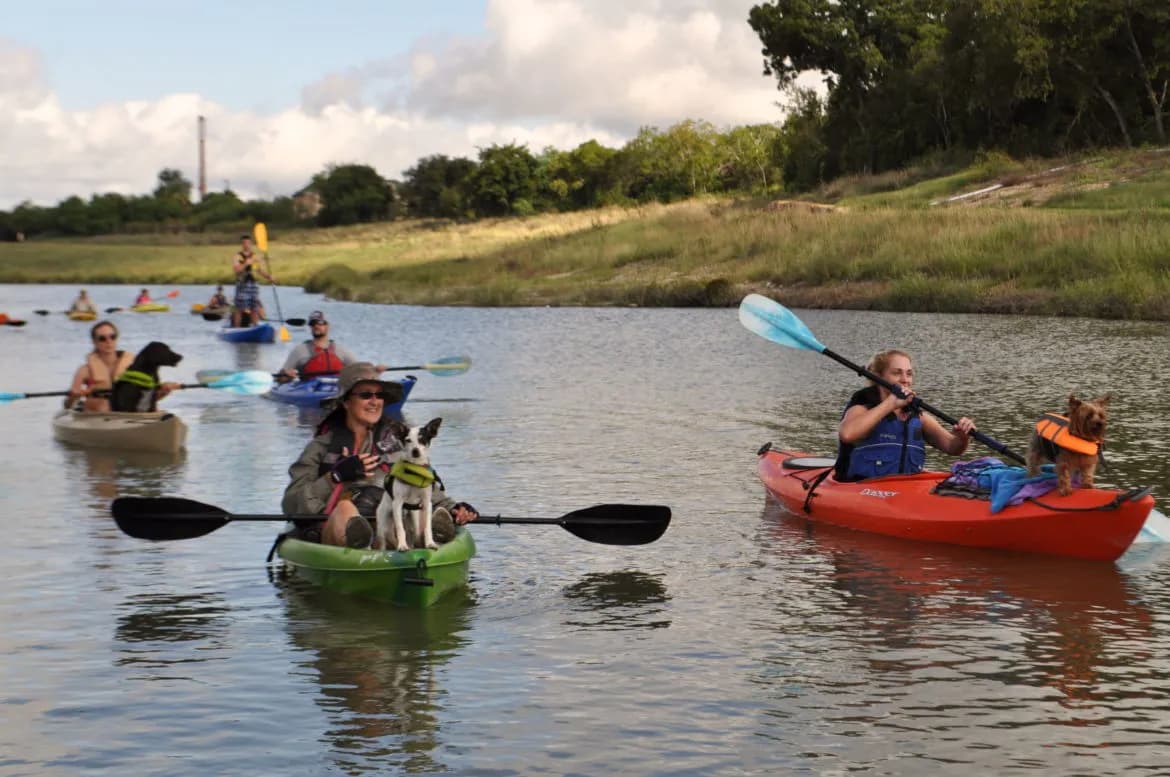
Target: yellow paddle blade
<point>284,335</point>
<point>261,233</point>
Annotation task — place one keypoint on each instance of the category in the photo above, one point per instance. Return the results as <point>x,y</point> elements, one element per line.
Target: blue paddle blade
<point>772,321</point>
<point>8,396</point>
<point>451,365</point>
<point>245,382</point>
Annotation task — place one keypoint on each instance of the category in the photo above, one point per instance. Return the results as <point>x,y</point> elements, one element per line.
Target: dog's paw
<point>432,545</point>
<point>402,547</point>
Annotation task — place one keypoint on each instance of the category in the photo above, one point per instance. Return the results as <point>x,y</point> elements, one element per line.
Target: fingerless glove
<point>349,468</point>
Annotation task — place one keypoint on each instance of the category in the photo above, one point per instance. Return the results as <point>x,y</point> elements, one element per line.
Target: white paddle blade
<point>772,321</point>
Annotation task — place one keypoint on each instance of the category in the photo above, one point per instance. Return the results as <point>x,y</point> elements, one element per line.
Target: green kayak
<point>414,578</point>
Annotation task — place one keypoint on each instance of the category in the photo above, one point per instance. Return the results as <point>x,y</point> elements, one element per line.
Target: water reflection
<point>111,473</point>
<point>1067,620</point>
<point>157,631</point>
<point>378,669</point>
<point>618,601</point>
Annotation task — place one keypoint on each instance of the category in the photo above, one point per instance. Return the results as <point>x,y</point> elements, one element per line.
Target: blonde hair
<point>881,360</point>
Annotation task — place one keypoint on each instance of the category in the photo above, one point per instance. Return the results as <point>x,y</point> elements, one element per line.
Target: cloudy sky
<point>100,96</point>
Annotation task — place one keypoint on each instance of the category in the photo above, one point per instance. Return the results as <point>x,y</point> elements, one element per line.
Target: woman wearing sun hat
<point>340,473</point>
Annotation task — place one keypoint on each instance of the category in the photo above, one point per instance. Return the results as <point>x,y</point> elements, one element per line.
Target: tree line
<point>908,78</point>
<point>905,80</point>
<point>685,160</point>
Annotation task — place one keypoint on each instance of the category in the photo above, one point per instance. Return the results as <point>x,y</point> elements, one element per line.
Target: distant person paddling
<point>83,304</point>
<point>246,265</point>
<point>320,355</point>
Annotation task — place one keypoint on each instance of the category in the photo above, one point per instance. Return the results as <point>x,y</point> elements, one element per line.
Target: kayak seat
<point>808,462</point>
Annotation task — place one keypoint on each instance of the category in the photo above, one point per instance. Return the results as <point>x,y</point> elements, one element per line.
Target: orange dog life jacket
<point>1054,428</point>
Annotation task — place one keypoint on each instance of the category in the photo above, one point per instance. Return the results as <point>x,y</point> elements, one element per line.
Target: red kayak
<point>1091,523</point>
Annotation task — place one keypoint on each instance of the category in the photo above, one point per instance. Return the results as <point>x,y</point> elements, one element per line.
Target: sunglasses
<point>318,322</point>
<point>382,395</point>
<point>104,338</point>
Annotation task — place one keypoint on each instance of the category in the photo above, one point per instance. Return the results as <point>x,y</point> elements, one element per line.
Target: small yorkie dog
<point>1073,443</point>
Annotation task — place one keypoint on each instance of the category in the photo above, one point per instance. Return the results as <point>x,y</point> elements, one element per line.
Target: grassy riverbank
<point>1088,236</point>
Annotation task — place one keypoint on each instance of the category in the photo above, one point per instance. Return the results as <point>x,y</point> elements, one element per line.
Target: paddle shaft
<point>174,518</point>
<point>314,517</point>
<point>896,390</point>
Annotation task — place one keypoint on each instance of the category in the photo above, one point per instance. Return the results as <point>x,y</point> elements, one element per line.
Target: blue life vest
<point>894,447</point>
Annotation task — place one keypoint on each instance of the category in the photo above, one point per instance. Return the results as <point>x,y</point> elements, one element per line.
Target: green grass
<point>1092,238</point>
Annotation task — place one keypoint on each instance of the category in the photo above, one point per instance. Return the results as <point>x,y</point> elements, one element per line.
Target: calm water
<point>742,642</point>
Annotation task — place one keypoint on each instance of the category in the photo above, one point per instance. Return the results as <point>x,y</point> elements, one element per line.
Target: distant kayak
<point>157,431</point>
<point>313,391</point>
<point>261,333</point>
<point>151,307</point>
<point>200,309</point>
<point>82,315</point>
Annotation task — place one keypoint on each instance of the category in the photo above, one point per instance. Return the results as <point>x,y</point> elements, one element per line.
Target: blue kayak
<point>261,333</point>
<point>313,391</point>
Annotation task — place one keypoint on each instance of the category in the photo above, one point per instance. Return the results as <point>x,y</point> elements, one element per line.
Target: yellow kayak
<point>82,315</point>
<point>151,307</point>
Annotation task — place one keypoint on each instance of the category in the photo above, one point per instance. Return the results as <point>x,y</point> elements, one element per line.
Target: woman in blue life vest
<point>882,434</point>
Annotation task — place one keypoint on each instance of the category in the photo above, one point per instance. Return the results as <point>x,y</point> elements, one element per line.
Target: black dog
<point>136,389</point>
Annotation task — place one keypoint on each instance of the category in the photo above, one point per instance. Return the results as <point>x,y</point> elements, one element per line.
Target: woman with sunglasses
<point>339,474</point>
<point>102,367</point>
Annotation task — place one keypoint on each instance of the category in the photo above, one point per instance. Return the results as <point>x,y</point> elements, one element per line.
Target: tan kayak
<point>164,432</point>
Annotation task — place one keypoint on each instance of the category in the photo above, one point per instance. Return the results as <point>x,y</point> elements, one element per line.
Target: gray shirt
<point>301,354</point>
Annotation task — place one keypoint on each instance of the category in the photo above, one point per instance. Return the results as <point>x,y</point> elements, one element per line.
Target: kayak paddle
<point>245,382</point>
<point>261,233</point>
<point>174,518</point>
<point>450,365</point>
<point>772,321</point>
<point>15,322</point>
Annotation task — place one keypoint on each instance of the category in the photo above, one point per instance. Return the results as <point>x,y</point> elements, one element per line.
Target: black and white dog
<point>136,390</point>
<point>408,487</point>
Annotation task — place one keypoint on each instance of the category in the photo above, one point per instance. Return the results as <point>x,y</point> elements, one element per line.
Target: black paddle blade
<point>166,517</point>
<point>211,316</point>
<point>618,524</point>
<point>295,321</point>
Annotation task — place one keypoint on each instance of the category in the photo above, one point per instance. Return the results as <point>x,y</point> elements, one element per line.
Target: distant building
<point>306,204</point>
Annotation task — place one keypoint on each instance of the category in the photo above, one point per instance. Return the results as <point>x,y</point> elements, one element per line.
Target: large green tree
<point>505,181</point>
<point>437,186</point>
<point>351,194</point>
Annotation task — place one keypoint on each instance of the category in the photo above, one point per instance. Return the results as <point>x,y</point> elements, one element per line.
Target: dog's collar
<point>1054,428</point>
<point>412,474</point>
<point>138,378</point>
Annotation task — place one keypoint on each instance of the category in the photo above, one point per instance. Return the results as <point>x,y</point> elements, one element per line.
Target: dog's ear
<point>430,431</point>
<point>399,429</point>
<point>1073,403</point>
<point>1103,401</point>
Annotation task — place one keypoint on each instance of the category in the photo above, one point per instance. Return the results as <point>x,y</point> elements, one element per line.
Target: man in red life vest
<point>321,355</point>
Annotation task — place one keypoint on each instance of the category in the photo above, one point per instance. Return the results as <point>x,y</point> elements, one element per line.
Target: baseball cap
<point>317,315</point>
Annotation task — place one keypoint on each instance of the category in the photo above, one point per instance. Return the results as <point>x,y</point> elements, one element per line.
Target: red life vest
<point>323,361</point>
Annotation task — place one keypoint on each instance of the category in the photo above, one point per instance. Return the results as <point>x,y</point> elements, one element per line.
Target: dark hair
<point>93,329</point>
<point>245,237</point>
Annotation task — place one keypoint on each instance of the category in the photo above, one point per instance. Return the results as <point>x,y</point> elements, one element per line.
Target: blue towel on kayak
<point>1004,485</point>
<point>1011,485</point>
